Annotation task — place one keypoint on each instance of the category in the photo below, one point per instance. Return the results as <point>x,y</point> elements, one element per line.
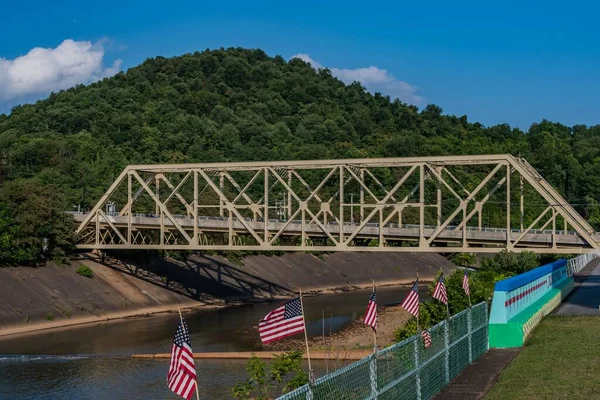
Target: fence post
<point>417,368</point>
<point>487,322</point>
<point>373,373</point>
<point>447,348</point>
<point>469,330</point>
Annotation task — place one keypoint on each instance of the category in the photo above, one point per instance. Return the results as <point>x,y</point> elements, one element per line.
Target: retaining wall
<point>521,301</point>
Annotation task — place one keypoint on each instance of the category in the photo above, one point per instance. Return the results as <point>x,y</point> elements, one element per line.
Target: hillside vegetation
<point>239,104</point>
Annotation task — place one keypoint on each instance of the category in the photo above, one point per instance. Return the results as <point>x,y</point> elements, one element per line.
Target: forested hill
<point>239,104</point>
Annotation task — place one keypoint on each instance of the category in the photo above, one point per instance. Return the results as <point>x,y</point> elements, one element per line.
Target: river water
<point>89,362</point>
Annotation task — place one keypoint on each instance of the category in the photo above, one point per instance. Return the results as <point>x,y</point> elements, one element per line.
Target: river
<point>89,362</point>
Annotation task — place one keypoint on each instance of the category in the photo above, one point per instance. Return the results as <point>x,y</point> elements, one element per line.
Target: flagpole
<point>447,297</point>
<point>197,393</point>
<point>418,305</point>
<point>469,286</point>
<point>375,330</point>
<point>306,338</point>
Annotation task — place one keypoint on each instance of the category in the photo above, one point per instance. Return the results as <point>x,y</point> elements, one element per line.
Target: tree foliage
<point>481,283</point>
<point>241,104</point>
<point>33,225</point>
<point>286,374</point>
<point>506,262</point>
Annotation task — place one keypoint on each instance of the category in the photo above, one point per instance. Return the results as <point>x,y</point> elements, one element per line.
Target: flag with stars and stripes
<point>465,283</point>
<point>439,293</point>
<point>426,338</point>
<point>181,378</point>
<point>371,314</point>
<point>286,320</point>
<point>411,302</point>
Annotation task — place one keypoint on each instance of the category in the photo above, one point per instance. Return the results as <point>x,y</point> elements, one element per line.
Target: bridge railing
<point>576,264</point>
<point>407,370</point>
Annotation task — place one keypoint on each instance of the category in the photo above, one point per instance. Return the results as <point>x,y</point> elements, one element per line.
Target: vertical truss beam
<point>312,215</point>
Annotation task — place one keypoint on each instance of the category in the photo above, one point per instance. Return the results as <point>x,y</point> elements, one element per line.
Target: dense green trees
<point>240,104</point>
<point>481,282</point>
<point>33,226</point>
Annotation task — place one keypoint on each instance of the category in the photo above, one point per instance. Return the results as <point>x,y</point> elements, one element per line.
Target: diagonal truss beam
<point>308,219</point>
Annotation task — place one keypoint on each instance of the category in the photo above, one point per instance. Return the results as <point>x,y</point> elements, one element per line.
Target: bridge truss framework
<point>432,204</point>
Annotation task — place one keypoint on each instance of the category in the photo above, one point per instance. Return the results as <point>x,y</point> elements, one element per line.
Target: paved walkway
<point>585,299</point>
<point>478,378</point>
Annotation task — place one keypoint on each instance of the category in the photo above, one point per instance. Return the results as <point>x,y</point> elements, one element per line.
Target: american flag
<point>371,314</point>
<point>439,293</point>
<point>284,321</point>
<point>465,283</point>
<point>426,338</point>
<point>411,302</point>
<point>181,378</point>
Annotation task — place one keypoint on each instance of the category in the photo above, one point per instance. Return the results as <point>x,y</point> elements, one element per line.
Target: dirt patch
<point>355,335</point>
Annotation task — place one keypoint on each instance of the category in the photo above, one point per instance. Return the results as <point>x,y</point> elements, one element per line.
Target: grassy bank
<point>560,361</point>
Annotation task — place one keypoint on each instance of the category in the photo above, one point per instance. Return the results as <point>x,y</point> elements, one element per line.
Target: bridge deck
<point>391,231</point>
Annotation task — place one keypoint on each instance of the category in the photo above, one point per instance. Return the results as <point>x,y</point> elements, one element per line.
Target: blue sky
<point>514,62</point>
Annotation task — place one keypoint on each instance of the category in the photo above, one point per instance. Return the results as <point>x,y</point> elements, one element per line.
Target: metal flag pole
<point>447,295</point>
<point>310,371</point>
<point>181,319</point>
<point>375,330</point>
<point>418,305</point>
<point>469,286</point>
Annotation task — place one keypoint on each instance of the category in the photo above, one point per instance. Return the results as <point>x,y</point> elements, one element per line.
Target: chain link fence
<point>407,370</point>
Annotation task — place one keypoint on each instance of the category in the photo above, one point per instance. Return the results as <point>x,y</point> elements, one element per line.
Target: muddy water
<point>89,362</point>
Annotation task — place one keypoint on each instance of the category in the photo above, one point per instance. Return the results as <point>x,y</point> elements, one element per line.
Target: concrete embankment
<point>57,296</point>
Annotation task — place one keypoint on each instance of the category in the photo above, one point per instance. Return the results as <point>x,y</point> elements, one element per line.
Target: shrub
<point>263,385</point>
<point>432,312</point>
<point>85,271</point>
<point>50,316</point>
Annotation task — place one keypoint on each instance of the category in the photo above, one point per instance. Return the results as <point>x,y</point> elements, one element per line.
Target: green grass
<point>560,361</point>
<point>85,271</point>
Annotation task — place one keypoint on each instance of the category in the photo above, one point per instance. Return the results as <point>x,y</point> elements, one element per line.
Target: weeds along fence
<point>406,370</point>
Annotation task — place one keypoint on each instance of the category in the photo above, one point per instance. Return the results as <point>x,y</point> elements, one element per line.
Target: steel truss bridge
<point>474,204</point>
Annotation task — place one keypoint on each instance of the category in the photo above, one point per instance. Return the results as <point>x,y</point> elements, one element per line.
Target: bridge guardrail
<point>407,370</point>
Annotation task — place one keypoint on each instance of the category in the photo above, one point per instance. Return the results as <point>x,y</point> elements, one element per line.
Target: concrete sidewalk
<point>585,299</point>
<point>478,378</point>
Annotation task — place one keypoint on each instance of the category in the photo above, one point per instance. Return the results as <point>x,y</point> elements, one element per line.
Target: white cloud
<point>373,78</point>
<point>45,70</point>
<point>306,58</point>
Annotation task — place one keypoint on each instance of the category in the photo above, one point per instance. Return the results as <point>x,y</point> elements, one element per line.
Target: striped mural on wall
<point>521,301</point>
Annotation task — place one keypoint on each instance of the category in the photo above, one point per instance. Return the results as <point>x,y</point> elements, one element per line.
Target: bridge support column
<point>522,204</point>
<point>439,201</point>
<point>129,207</point>
<point>508,224</point>
<point>362,195</point>
<point>289,194</point>
<point>422,242</point>
<point>341,225</point>
<point>195,215</point>
<point>221,187</point>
